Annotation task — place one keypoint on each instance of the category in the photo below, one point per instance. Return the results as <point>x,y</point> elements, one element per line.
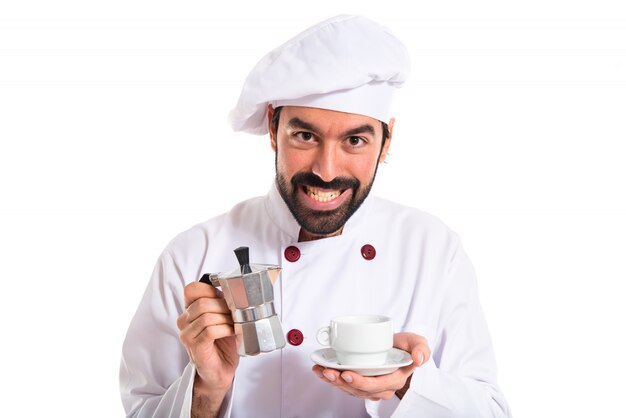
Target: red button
<point>292,254</point>
<point>368,252</point>
<point>295,337</point>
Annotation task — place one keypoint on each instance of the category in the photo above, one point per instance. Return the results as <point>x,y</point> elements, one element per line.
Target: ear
<point>270,115</point>
<point>383,152</point>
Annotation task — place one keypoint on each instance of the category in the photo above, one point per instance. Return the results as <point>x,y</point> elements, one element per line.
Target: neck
<point>308,236</point>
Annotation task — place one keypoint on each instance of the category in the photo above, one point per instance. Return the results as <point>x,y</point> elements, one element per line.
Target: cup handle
<point>323,336</point>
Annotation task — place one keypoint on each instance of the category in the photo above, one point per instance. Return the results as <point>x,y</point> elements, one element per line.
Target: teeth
<point>322,196</point>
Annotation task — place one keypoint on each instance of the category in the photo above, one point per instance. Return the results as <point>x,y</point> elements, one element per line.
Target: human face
<point>326,163</point>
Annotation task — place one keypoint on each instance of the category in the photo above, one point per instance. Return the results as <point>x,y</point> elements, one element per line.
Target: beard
<point>322,222</point>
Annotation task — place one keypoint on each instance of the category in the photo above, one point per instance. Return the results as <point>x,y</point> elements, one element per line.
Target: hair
<point>276,118</point>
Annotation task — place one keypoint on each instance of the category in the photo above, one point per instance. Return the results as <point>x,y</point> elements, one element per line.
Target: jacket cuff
<point>227,403</point>
<point>382,409</point>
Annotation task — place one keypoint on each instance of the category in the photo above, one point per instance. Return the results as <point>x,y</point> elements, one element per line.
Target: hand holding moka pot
<point>249,294</point>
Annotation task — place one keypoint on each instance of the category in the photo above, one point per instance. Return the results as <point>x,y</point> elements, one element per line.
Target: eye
<point>304,136</point>
<point>356,141</point>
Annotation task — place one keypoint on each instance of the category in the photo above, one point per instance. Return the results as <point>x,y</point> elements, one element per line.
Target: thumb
<point>414,344</point>
<point>418,356</point>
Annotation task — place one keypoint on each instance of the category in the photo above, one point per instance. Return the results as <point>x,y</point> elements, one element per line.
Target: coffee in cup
<point>358,340</point>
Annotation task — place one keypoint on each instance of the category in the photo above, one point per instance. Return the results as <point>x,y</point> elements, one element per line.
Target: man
<point>324,98</point>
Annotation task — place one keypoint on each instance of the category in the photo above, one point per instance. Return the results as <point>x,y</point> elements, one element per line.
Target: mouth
<point>320,199</point>
<point>322,195</point>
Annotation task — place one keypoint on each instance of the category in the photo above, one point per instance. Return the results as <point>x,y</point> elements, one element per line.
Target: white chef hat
<point>346,63</point>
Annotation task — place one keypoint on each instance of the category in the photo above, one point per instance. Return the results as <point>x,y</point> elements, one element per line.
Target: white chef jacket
<point>420,277</point>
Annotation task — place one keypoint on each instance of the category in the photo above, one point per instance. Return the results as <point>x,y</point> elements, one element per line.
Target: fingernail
<point>347,378</point>
<point>329,376</point>
<point>420,358</point>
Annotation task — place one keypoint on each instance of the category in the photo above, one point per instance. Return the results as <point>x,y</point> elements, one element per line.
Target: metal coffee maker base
<point>262,336</point>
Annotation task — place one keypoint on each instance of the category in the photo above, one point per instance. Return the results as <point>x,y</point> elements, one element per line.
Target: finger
<point>200,307</point>
<point>376,384</point>
<point>181,321</point>
<point>196,290</point>
<point>363,385</point>
<point>207,305</point>
<point>318,370</point>
<point>331,375</point>
<point>414,344</point>
<point>207,321</point>
<point>406,340</point>
<point>420,354</point>
<point>338,379</point>
<point>191,337</point>
<point>214,333</point>
<point>211,324</point>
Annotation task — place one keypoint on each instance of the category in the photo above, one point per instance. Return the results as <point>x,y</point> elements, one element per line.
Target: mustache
<point>313,180</point>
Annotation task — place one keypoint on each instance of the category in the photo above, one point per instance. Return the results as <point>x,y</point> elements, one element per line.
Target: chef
<point>324,98</point>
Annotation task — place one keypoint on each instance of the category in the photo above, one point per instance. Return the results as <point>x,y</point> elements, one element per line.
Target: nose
<point>326,163</point>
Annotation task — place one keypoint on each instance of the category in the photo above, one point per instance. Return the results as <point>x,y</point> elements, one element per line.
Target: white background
<point>114,139</point>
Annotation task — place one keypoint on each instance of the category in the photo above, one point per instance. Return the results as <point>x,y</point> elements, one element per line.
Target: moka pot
<point>249,294</point>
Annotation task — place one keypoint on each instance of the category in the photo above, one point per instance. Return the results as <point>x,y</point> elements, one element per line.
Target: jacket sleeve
<point>156,377</point>
<point>460,378</point>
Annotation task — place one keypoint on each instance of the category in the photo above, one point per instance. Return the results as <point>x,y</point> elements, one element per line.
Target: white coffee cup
<point>358,340</point>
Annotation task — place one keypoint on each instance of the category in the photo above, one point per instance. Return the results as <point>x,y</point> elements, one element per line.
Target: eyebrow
<point>363,129</point>
<point>297,123</point>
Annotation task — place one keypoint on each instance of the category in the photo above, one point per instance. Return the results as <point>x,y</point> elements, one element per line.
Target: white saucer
<point>396,358</point>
